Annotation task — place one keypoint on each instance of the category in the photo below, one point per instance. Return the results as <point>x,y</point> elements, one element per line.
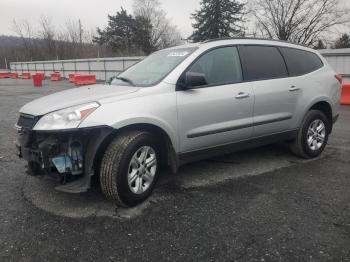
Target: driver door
<point>219,112</point>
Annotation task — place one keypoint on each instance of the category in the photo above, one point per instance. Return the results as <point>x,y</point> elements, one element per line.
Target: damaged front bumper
<point>68,154</point>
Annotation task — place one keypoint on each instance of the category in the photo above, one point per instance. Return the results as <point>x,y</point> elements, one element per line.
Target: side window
<point>300,62</point>
<point>220,66</point>
<point>262,62</point>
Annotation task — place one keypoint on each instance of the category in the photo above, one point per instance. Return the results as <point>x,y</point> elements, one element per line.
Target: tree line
<point>144,31</point>
<point>147,29</point>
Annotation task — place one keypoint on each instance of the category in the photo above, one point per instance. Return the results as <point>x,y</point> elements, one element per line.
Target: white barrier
<point>103,68</point>
<point>339,60</point>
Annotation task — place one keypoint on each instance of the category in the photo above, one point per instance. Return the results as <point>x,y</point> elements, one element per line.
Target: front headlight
<point>66,118</point>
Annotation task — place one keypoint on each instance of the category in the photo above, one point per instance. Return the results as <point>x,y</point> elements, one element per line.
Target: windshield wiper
<point>124,79</point>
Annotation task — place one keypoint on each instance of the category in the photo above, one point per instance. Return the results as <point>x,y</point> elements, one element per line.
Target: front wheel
<point>312,136</point>
<point>129,168</point>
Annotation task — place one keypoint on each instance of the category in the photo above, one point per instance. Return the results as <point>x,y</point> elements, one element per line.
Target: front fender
<point>158,110</point>
<point>151,121</point>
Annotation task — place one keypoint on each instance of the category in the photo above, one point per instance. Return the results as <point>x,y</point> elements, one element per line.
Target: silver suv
<point>180,105</point>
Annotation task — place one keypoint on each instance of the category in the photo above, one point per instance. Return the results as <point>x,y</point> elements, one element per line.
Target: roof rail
<point>251,38</point>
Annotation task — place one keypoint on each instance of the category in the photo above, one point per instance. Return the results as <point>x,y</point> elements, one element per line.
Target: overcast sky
<point>92,13</point>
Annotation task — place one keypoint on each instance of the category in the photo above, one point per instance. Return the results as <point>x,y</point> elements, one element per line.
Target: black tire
<point>300,145</point>
<point>115,167</point>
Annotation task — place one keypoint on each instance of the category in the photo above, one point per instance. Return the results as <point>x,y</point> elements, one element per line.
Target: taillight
<point>339,78</point>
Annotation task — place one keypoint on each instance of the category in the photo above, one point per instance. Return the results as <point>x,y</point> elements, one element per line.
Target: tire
<point>301,146</point>
<point>126,175</point>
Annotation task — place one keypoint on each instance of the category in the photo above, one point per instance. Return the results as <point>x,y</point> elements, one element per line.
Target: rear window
<point>262,62</point>
<point>300,62</point>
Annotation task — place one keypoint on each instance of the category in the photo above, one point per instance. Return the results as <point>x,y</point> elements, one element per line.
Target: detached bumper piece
<point>68,154</point>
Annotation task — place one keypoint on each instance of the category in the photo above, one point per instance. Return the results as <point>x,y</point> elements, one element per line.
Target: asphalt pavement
<point>259,205</point>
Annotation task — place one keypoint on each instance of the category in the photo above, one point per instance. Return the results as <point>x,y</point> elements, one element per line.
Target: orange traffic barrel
<point>38,80</point>
<point>41,74</point>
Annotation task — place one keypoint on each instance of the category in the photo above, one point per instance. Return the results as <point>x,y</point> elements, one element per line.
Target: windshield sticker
<point>178,54</point>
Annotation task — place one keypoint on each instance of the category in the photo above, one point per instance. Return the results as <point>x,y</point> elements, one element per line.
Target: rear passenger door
<point>276,94</point>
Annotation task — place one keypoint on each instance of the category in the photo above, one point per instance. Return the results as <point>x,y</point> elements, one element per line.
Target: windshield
<point>153,68</point>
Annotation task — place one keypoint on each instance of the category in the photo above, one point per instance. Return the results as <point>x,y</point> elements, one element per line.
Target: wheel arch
<point>168,154</point>
<point>326,108</point>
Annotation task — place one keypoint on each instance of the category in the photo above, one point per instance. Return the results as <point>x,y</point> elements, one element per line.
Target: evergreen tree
<point>126,34</point>
<point>218,19</point>
<point>343,42</point>
<point>143,35</point>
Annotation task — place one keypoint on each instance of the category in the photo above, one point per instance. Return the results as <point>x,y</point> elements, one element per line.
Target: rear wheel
<point>129,168</point>
<point>312,136</point>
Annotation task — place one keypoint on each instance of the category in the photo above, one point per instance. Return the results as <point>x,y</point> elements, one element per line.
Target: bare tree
<point>299,21</point>
<point>163,33</point>
<point>24,30</point>
<point>48,42</point>
<point>48,35</point>
<point>75,35</point>
<point>73,30</point>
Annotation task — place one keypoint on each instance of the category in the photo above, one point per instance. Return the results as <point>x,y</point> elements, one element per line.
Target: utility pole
<point>80,32</point>
<point>6,64</point>
<point>80,36</point>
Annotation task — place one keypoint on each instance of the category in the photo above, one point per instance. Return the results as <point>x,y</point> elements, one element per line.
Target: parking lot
<point>259,205</point>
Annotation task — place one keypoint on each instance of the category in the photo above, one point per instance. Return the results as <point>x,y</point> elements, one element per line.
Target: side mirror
<point>194,80</point>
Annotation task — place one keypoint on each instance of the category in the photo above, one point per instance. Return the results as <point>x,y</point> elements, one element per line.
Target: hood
<point>76,96</point>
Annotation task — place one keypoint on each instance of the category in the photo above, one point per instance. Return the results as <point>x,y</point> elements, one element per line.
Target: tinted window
<point>300,62</point>
<point>220,66</point>
<point>262,62</point>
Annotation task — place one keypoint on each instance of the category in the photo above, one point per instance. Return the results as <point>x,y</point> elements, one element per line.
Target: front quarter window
<point>153,68</point>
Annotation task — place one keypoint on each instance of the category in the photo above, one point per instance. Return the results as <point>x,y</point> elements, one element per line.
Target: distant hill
<point>8,45</point>
<point>15,48</point>
<point>8,41</point>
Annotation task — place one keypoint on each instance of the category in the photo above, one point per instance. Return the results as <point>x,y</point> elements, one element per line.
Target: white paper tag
<point>178,54</point>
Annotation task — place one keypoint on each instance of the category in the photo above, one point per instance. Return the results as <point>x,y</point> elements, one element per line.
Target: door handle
<point>293,88</point>
<point>242,95</point>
